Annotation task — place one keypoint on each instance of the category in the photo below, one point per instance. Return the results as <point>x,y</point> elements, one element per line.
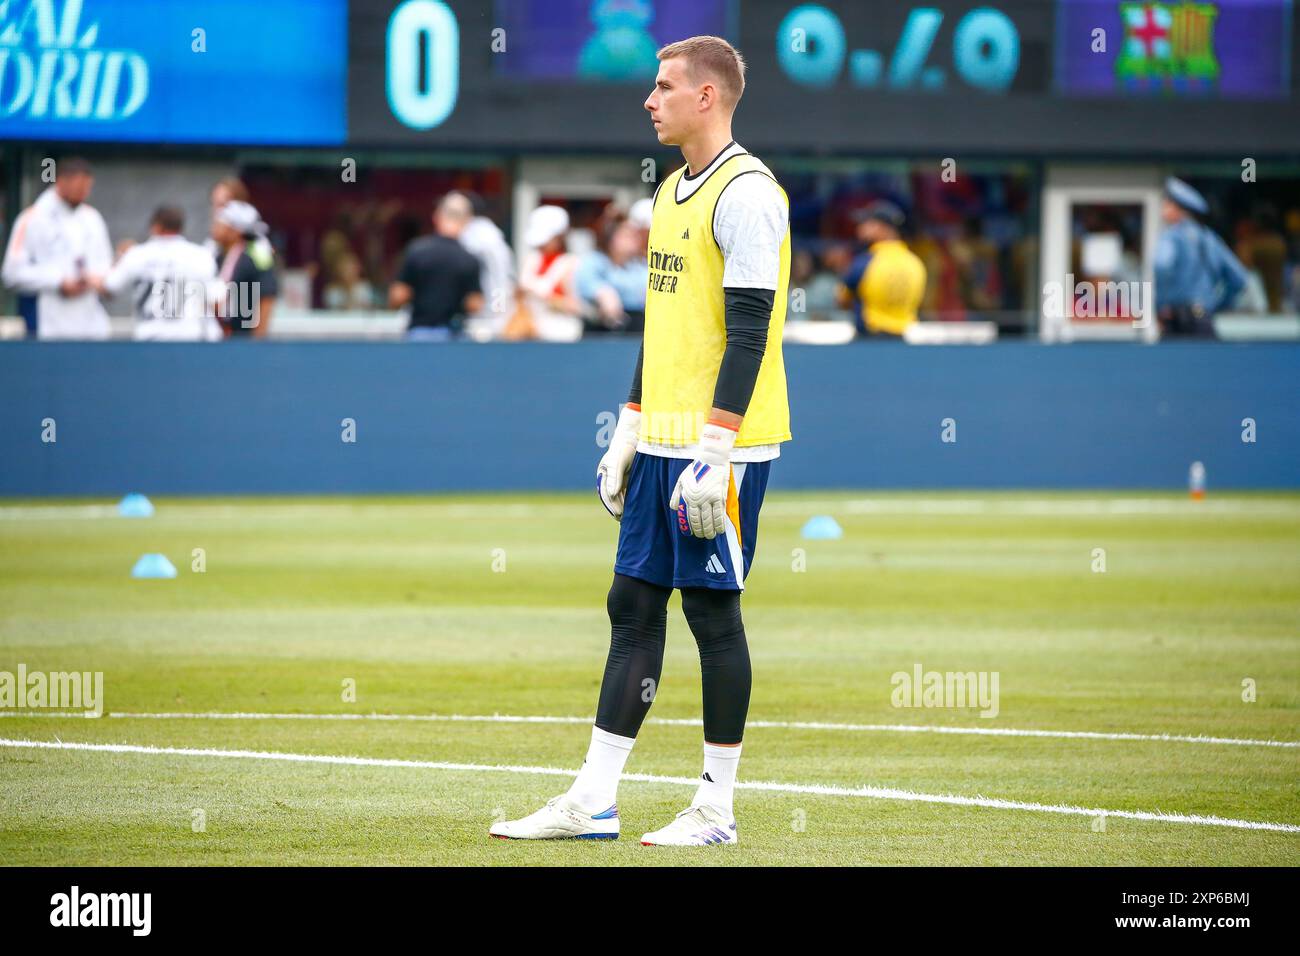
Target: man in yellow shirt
<point>688,464</point>
<point>887,282</point>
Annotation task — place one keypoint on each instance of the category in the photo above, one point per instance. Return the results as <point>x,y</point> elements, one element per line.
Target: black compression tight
<point>714,617</point>
<point>638,618</point>
<point>638,622</point>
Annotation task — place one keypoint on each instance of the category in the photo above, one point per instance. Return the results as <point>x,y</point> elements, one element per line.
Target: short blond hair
<point>711,57</point>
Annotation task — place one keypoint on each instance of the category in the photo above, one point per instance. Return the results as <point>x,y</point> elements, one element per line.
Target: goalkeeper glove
<point>611,473</point>
<point>700,498</point>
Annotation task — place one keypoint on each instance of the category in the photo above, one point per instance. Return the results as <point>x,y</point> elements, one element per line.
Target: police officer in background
<point>887,282</point>
<point>1196,273</point>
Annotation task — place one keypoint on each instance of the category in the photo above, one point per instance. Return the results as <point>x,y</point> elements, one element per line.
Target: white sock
<point>719,777</point>
<point>596,787</point>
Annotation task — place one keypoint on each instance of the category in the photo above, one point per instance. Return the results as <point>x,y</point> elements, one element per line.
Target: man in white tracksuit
<point>172,283</point>
<point>59,251</point>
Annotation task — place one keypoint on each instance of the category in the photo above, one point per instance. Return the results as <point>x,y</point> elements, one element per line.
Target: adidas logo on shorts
<point>715,565</point>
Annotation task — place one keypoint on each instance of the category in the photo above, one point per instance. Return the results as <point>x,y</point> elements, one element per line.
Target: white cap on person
<point>639,214</point>
<point>544,224</point>
<point>241,217</point>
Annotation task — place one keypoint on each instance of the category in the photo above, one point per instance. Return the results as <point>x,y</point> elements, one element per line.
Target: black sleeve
<point>748,316</point>
<point>471,280</point>
<point>406,274</point>
<point>634,395</point>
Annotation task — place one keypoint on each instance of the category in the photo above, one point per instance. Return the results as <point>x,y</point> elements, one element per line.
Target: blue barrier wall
<point>265,417</point>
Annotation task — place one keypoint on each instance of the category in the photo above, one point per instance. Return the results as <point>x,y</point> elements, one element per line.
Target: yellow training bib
<point>685,320</point>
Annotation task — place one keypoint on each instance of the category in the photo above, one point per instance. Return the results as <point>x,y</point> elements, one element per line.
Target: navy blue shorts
<point>651,546</point>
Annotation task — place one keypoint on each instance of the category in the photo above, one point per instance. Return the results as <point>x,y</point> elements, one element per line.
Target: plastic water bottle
<point>1196,480</point>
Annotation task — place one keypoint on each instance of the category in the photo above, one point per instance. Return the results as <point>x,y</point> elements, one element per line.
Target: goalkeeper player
<point>688,464</point>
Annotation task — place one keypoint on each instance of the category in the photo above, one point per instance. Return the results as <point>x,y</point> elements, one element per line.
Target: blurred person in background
<point>171,283</point>
<point>1291,225</point>
<point>836,260</point>
<point>1261,248</point>
<point>233,188</point>
<point>359,230</point>
<point>802,269</point>
<point>334,249</point>
<point>349,291</point>
<point>549,309</point>
<point>1253,298</point>
<point>226,189</point>
<point>978,273</point>
<point>439,278</point>
<point>886,282</point>
<point>1196,274</point>
<point>1291,230</point>
<point>639,216</point>
<point>58,252</point>
<point>1104,250</point>
<point>244,267</point>
<point>820,282</point>
<point>611,279</point>
<point>260,249</point>
<point>942,298</point>
<point>487,243</point>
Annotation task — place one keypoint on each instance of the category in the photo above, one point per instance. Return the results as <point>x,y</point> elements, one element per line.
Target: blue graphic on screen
<point>222,71</point>
<point>621,46</point>
<point>813,49</point>
<point>599,40</point>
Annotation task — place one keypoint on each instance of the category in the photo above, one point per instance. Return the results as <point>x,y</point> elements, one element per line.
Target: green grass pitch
<point>483,605</point>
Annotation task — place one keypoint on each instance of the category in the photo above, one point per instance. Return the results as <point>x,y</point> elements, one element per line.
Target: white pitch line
<point>684,722</point>
<point>56,512</point>
<point>994,504</point>
<point>1047,507</point>
<point>876,793</point>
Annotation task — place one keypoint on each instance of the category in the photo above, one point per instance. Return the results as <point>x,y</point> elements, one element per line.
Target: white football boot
<point>560,819</point>
<point>695,826</point>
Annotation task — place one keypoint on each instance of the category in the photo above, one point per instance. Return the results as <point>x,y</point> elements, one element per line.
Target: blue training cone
<point>153,566</point>
<point>822,528</point>
<point>135,506</point>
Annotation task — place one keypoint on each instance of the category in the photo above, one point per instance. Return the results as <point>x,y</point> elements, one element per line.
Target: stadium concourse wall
<point>261,418</point>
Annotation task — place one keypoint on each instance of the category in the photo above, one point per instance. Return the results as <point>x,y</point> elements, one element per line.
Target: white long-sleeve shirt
<point>51,242</point>
<point>172,283</point>
<point>485,241</point>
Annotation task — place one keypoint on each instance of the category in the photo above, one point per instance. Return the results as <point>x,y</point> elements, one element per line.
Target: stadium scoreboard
<point>1022,77</point>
